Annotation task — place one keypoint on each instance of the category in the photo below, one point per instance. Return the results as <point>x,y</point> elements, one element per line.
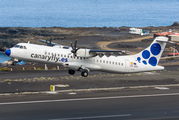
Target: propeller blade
<point>46,41</point>
<point>71,44</point>
<point>51,40</point>
<point>74,48</point>
<point>76,43</point>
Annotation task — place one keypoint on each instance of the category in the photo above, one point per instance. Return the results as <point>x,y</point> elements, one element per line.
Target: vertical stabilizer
<point>152,54</point>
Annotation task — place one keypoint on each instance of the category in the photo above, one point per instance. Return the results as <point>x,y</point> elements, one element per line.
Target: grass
<point>172,58</point>
<point>39,69</point>
<point>5,69</point>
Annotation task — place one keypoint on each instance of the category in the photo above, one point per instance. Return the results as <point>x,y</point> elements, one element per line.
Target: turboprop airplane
<point>86,60</point>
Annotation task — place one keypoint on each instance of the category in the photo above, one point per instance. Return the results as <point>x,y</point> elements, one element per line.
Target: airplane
<point>86,60</point>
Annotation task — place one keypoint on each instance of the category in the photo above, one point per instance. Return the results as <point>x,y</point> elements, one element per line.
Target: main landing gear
<point>71,72</point>
<point>84,72</point>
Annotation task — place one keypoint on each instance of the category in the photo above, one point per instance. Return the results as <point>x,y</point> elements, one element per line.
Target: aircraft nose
<point>8,52</point>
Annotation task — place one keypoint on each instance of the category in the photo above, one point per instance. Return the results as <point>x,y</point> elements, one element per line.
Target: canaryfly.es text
<point>48,58</point>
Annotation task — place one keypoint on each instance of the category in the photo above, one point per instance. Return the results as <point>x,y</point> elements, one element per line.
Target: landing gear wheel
<point>84,73</point>
<point>71,72</point>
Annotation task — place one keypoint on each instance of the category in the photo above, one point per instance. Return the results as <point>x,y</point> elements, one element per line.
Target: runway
<point>137,103</point>
<point>140,105</point>
<point>52,73</point>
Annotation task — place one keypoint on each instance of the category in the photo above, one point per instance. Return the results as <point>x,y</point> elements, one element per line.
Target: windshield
<point>21,47</point>
<point>17,46</point>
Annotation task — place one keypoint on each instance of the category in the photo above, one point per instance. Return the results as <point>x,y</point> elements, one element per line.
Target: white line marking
<point>82,99</point>
<point>72,93</point>
<point>92,117</point>
<point>162,88</point>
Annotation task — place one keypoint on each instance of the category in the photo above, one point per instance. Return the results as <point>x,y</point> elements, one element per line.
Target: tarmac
<point>15,83</point>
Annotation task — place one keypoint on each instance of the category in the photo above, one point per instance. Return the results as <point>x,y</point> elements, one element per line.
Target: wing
<point>93,53</point>
<point>48,43</point>
<point>55,44</point>
<point>109,52</point>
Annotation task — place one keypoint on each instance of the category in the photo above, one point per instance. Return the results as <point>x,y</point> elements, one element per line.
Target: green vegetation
<point>5,69</point>
<point>7,80</point>
<point>39,69</point>
<point>172,58</point>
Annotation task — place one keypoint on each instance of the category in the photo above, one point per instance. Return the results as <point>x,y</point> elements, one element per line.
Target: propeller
<point>74,48</point>
<point>49,42</point>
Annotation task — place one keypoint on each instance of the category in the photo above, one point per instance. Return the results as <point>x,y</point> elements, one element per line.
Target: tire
<point>84,73</point>
<point>71,72</point>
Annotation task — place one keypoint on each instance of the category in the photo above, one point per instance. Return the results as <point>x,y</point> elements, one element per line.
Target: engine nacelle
<point>84,53</point>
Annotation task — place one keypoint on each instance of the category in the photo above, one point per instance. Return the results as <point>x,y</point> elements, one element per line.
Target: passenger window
<point>61,55</point>
<point>100,61</point>
<point>81,58</point>
<point>25,47</point>
<point>116,63</point>
<point>106,61</point>
<point>119,63</point>
<point>103,61</point>
<point>21,47</point>
<point>58,54</point>
<point>109,62</point>
<point>97,60</point>
<point>112,62</point>
<point>64,55</point>
<point>122,64</point>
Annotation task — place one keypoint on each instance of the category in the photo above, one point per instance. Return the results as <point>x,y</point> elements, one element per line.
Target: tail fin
<point>152,54</point>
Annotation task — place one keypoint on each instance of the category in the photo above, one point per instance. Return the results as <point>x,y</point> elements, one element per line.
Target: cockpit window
<point>17,46</point>
<point>21,47</point>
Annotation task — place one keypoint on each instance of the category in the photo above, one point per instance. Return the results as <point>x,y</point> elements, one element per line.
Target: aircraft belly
<point>77,65</point>
<point>93,67</point>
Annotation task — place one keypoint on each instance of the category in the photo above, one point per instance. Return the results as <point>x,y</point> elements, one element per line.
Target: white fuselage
<point>60,56</point>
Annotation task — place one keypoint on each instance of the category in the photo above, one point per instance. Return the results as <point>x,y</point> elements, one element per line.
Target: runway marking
<point>92,117</point>
<point>85,99</point>
<point>162,88</point>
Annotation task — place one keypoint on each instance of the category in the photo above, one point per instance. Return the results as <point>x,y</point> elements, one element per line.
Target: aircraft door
<point>127,65</point>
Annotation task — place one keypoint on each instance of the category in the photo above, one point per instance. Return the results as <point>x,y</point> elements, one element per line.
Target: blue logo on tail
<point>146,55</point>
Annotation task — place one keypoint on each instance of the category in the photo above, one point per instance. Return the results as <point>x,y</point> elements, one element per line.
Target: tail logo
<point>150,56</point>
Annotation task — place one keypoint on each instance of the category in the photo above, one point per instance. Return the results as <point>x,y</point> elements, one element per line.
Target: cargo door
<point>127,65</point>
